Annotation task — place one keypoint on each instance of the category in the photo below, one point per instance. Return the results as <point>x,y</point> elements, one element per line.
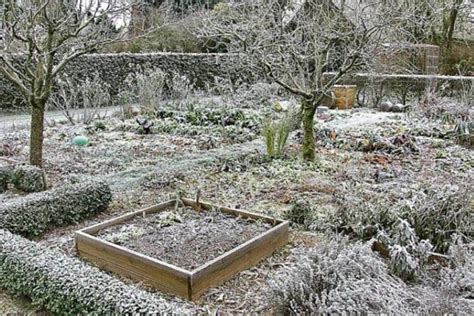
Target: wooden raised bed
<point>170,278</point>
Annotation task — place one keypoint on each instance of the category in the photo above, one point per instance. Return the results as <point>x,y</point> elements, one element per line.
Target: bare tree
<point>42,37</point>
<point>434,21</point>
<point>455,13</point>
<point>294,42</point>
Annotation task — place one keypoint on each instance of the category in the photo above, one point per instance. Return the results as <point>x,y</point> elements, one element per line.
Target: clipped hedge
<point>34,214</point>
<point>29,179</point>
<point>68,286</point>
<point>5,174</point>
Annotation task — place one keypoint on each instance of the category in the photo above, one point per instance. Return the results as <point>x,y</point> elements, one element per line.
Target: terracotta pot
<point>344,96</point>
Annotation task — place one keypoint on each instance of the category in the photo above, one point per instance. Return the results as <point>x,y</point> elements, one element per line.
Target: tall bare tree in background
<point>293,43</point>
<point>433,21</point>
<point>42,36</point>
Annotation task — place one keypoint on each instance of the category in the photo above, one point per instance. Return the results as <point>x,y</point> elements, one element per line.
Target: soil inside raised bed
<point>184,237</point>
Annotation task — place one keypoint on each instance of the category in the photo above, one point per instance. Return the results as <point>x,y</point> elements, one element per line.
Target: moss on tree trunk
<point>309,144</point>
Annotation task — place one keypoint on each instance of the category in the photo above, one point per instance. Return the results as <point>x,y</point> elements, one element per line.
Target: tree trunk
<point>36,133</point>
<point>309,144</point>
<point>452,23</point>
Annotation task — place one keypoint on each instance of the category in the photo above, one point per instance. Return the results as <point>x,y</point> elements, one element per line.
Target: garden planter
<point>98,244</point>
<point>344,96</point>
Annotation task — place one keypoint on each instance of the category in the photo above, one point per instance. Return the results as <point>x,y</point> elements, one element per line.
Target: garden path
<point>8,121</point>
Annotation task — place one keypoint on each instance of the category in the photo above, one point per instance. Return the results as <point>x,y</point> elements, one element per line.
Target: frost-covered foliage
<point>259,93</point>
<point>126,233</point>
<point>178,86</point>
<point>459,281</point>
<point>207,116</point>
<point>145,88</point>
<point>5,175</point>
<point>435,212</point>
<point>36,213</point>
<point>464,131</point>
<point>215,125</point>
<point>447,110</point>
<point>149,87</point>
<point>408,254</point>
<point>301,213</point>
<point>459,112</point>
<point>81,103</point>
<point>68,286</point>
<point>29,179</point>
<point>338,277</point>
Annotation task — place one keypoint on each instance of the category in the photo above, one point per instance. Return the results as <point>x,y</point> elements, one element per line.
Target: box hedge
<point>29,179</point>
<point>67,286</point>
<point>5,174</point>
<point>34,214</point>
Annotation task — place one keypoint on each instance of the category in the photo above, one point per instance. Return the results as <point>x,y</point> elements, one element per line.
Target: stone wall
<point>396,58</point>
<point>400,88</point>
<point>201,69</point>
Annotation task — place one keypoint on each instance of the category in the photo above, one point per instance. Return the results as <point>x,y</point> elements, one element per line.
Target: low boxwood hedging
<point>5,174</point>
<point>28,179</point>
<point>34,214</point>
<point>67,286</point>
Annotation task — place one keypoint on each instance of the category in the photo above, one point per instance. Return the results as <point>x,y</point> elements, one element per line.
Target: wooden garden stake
<point>198,196</point>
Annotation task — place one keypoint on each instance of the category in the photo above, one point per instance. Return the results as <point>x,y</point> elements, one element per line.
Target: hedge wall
<point>201,69</point>
<point>34,214</point>
<point>68,286</point>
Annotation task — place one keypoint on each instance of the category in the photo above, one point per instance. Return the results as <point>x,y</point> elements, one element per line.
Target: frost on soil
<point>185,238</point>
<point>377,176</point>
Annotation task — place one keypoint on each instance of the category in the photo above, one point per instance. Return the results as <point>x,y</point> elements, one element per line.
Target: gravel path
<point>8,121</point>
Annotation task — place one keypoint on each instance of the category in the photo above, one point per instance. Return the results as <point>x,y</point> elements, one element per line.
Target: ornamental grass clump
<point>36,213</point>
<point>276,136</point>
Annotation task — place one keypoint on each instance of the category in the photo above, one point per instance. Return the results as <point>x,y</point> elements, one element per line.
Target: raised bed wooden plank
<point>243,257</point>
<point>94,229</point>
<point>232,211</point>
<point>168,277</point>
<point>111,257</point>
